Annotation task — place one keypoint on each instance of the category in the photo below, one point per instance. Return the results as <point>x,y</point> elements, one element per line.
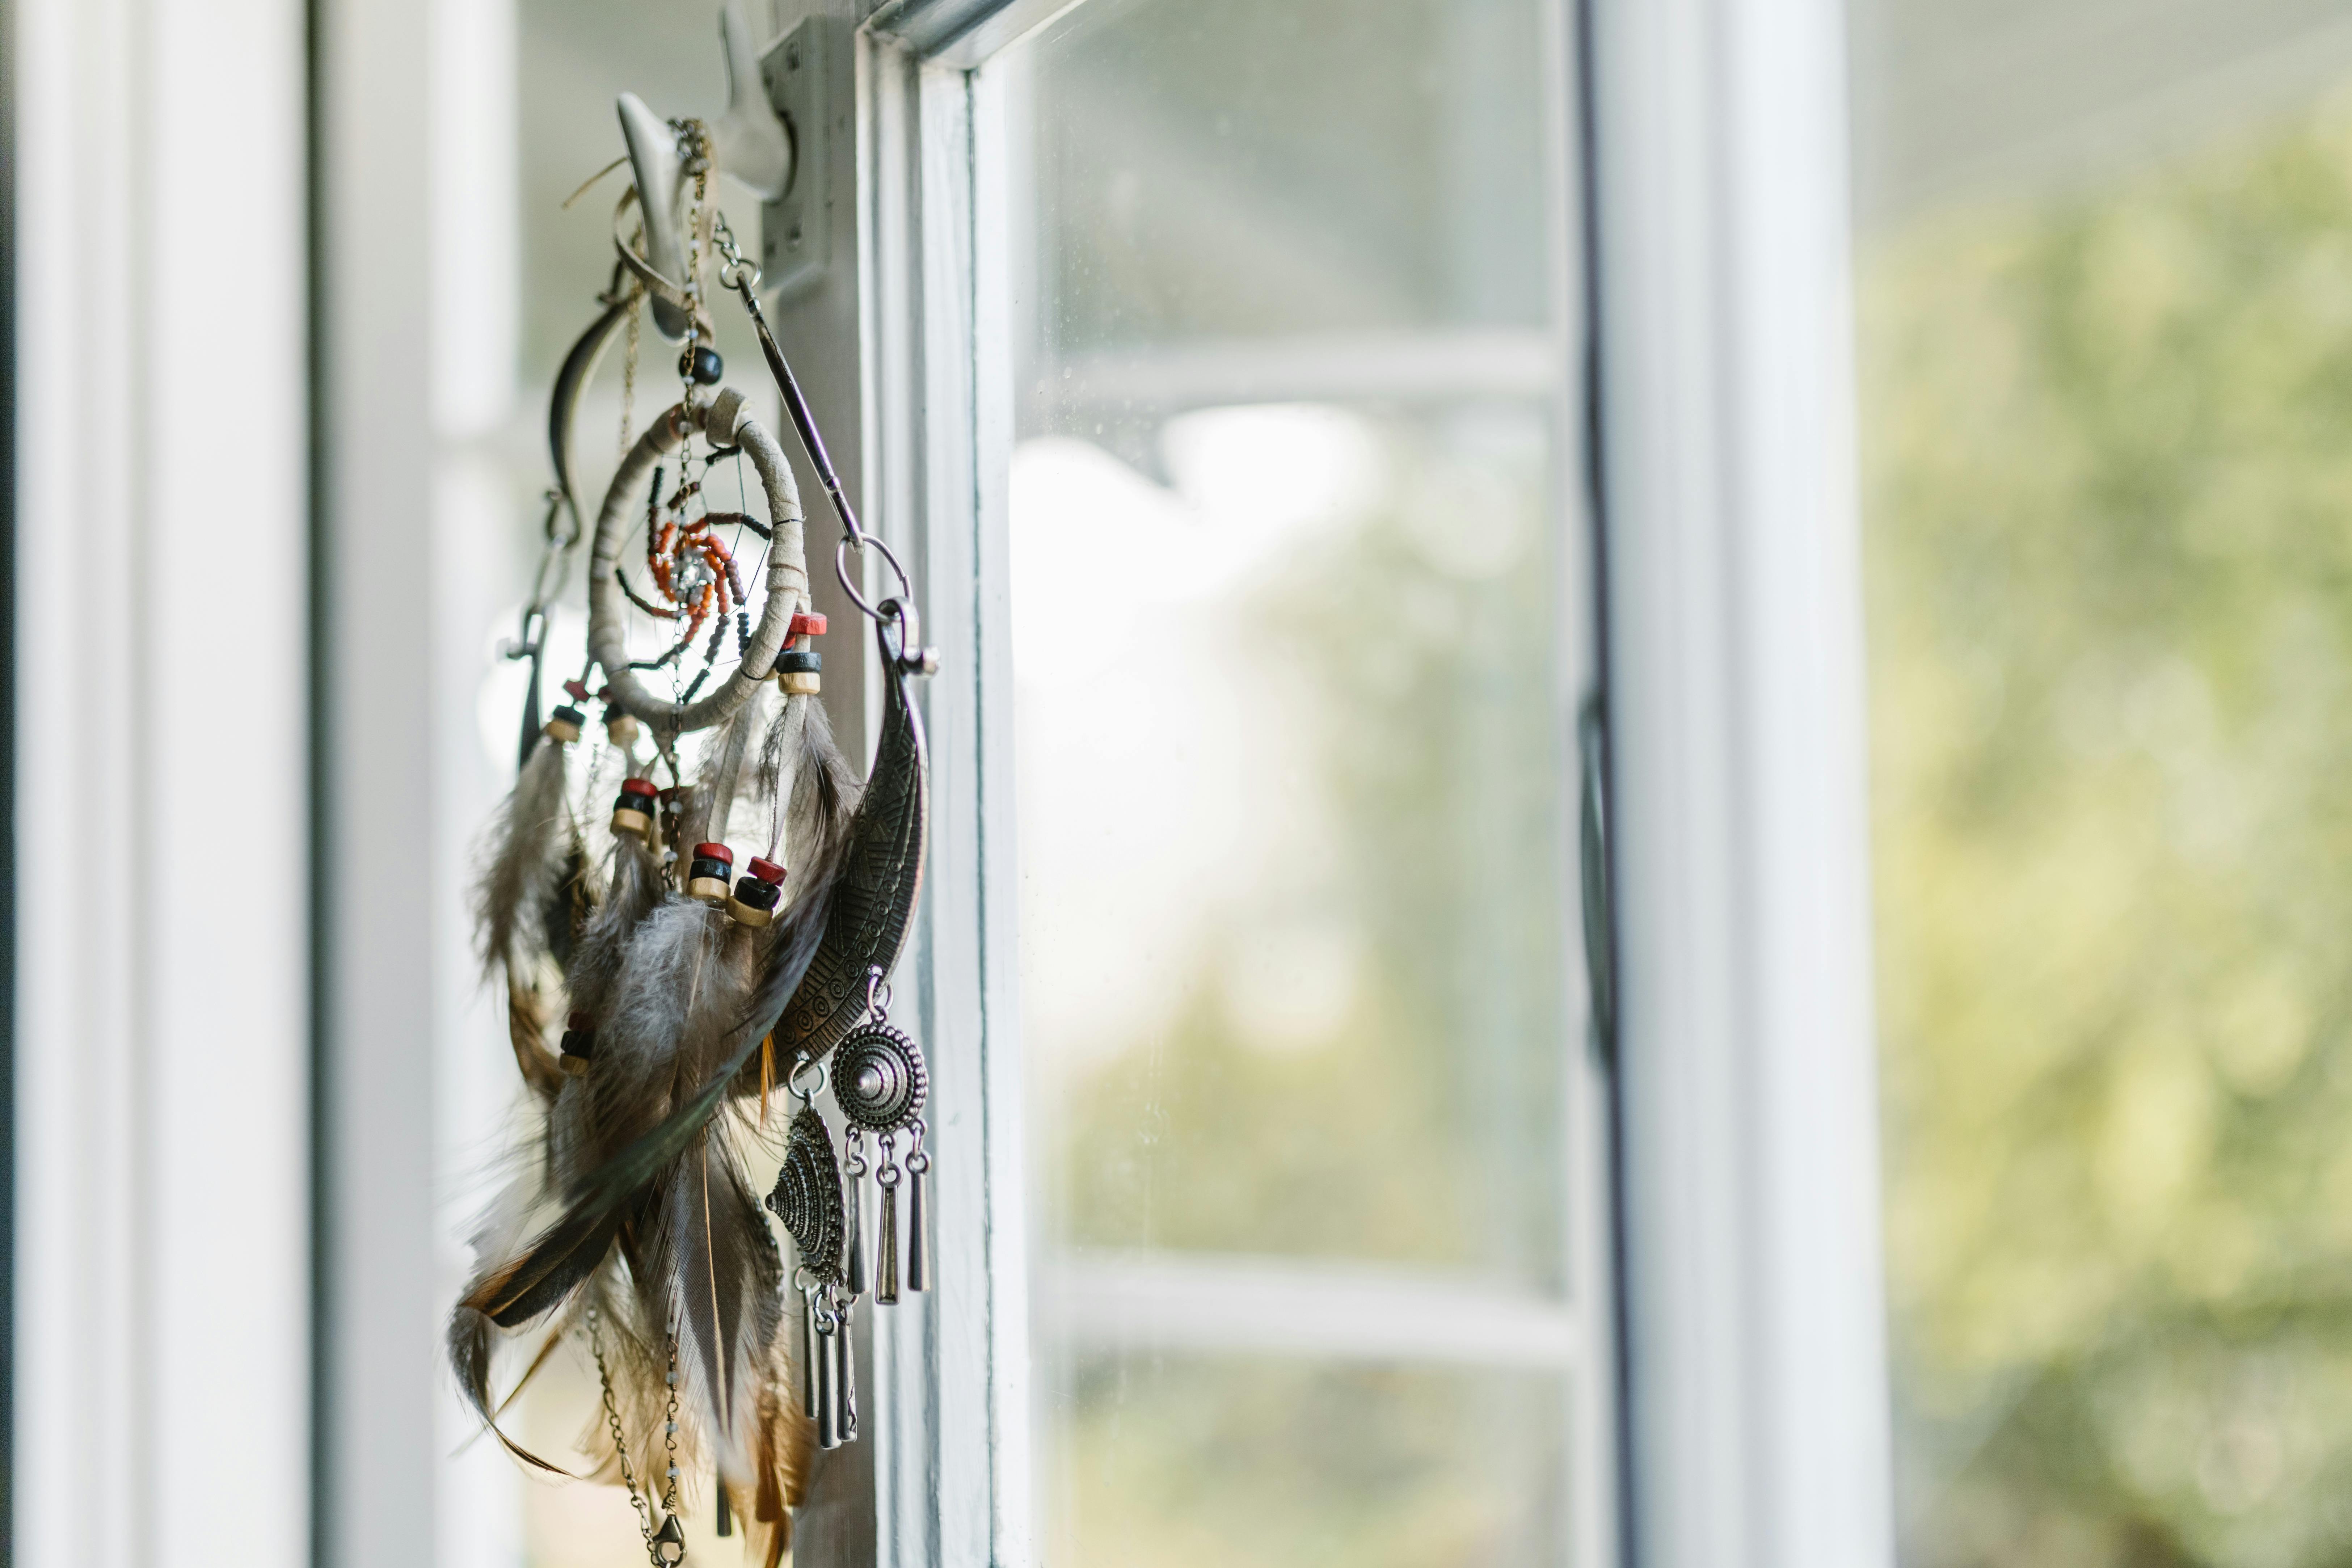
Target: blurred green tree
<point>2107,448</point>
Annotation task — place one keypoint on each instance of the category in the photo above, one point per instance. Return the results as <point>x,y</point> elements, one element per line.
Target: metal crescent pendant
<point>570,385</point>
<point>807,1196</point>
<point>866,925</point>
<point>878,1079</point>
<point>725,422</point>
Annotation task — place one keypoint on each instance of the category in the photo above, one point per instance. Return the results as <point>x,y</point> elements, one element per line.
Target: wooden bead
<point>563,725</point>
<point>757,894</point>
<point>744,914</point>
<point>579,1044</point>
<point>633,811</point>
<point>799,684</point>
<point>707,874</point>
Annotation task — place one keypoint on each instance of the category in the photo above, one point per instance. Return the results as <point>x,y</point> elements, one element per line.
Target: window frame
<point>1723,392</point>
<point>954,1480</point>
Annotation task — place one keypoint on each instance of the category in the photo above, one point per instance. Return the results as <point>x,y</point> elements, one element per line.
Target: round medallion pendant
<point>878,1079</point>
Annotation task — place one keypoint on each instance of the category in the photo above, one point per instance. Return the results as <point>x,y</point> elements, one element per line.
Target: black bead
<point>715,871</point>
<point>568,714</point>
<point>758,895</point>
<point>800,661</point>
<point>708,367</point>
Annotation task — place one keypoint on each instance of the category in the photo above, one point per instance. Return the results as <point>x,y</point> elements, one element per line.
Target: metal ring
<point>841,570</point>
<point>558,506</point>
<point>792,1078</point>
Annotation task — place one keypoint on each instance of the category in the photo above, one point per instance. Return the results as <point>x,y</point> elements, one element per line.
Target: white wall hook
<point>749,142</point>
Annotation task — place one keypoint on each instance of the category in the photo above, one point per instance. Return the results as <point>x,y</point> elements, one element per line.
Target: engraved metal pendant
<point>878,1079</point>
<point>807,1196</point>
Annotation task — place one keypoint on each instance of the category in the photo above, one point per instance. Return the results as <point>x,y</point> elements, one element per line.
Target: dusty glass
<point>1297,653</point>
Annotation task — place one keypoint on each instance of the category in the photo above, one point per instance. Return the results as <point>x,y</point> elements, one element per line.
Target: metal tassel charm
<point>919,1221</point>
<point>829,1387</point>
<point>857,1247</point>
<point>808,1354</point>
<point>726,1515</point>
<point>886,1279</point>
<point>845,1420</point>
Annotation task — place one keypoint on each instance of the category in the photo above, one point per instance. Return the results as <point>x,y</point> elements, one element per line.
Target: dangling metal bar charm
<point>919,1216</point>
<point>808,1352</point>
<point>829,1384</point>
<point>886,1277</point>
<point>726,1526</point>
<point>857,1246</point>
<point>860,1273</point>
<point>844,1419</point>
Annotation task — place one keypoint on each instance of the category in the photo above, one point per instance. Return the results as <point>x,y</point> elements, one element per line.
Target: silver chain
<point>621,1444</point>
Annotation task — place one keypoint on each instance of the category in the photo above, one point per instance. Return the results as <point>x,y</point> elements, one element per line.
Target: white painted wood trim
<point>162,1139</point>
<point>380,1449</point>
<point>952,1465</point>
<point>1735,702</point>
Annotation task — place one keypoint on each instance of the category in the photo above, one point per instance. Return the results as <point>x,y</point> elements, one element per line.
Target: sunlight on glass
<point>1289,630</point>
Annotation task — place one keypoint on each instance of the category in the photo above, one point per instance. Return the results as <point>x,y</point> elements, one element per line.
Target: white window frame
<point>160,1368</point>
<point>1755,1368</point>
<point>1756,1355</point>
<point>937,278</point>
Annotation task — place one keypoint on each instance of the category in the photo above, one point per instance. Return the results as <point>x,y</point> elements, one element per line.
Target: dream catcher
<point>711,904</point>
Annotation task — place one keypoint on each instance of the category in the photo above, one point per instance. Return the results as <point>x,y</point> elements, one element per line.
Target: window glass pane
<point>1295,984</point>
<point>2106,316</point>
<point>1296,657</point>
<point>1224,168</point>
<point>1174,1462</point>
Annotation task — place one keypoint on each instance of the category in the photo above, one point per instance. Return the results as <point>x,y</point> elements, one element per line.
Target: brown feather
<point>527,1031</point>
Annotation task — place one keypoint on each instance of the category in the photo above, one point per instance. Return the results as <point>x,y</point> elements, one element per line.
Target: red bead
<point>579,689</point>
<point>766,871</point>
<point>805,624</point>
<point>578,1021</point>
<point>638,787</point>
<point>719,852</point>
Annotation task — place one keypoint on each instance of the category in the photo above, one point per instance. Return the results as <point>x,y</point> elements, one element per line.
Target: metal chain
<point>670,1433</point>
<point>694,151</point>
<point>620,1445</point>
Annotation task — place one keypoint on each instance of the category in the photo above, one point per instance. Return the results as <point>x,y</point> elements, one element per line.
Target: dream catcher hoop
<point>694,998</point>
<point>707,596</point>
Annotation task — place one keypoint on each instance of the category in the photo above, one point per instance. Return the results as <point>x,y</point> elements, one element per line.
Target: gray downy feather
<point>522,860</point>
